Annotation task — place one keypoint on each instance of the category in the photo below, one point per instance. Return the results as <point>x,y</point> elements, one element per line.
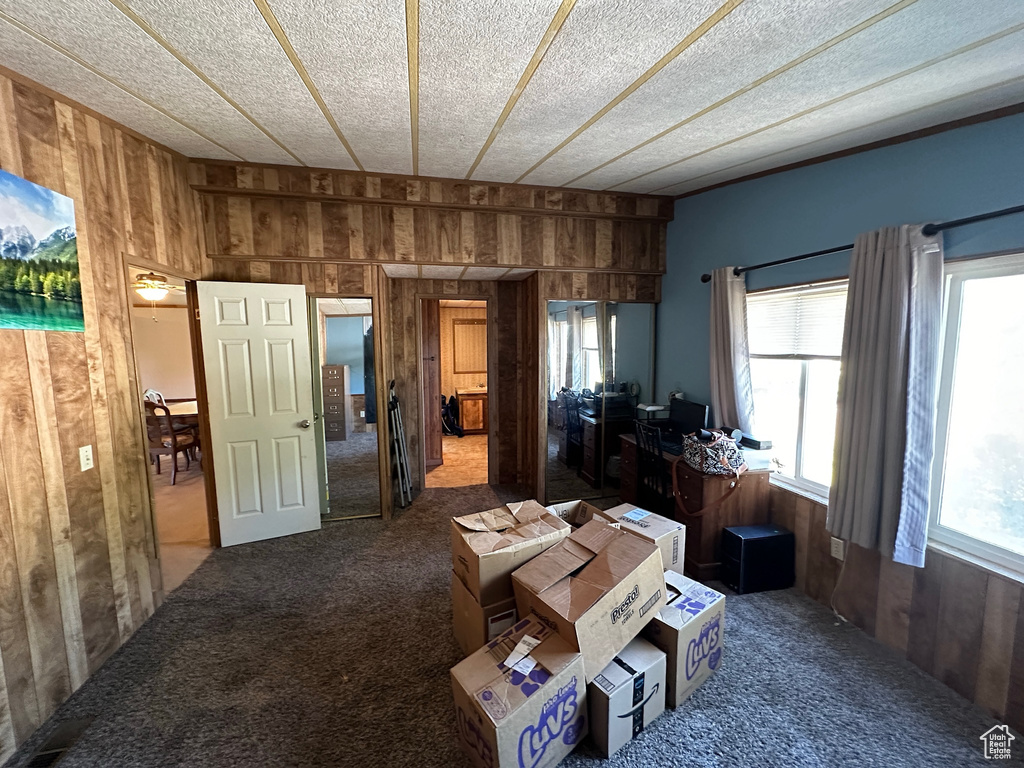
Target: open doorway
<point>347,388</point>
<point>455,401</point>
<point>162,345</point>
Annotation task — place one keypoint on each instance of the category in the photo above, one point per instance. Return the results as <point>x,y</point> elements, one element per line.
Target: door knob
<point>304,423</point>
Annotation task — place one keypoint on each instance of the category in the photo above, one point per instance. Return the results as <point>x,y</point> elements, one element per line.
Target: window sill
<point>976,561</point>
<point>793,486</point>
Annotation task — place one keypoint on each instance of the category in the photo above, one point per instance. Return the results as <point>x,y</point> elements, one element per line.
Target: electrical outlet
<point>362,414</point>
<point>85,457</point>
<point>838,548</point>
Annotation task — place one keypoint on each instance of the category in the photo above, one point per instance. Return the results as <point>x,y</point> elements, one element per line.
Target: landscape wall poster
<point>40,288</point>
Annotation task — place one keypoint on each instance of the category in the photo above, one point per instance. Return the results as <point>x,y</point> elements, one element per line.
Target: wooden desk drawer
<point>589,435</point>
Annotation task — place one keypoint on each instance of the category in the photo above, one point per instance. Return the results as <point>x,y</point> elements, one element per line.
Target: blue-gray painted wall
<point>345,347</point>
<point>950,175</point>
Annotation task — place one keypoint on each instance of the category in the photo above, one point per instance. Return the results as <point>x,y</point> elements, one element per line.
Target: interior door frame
<point>492,351</point>
<point>377,311</point>
<point>198,372</point>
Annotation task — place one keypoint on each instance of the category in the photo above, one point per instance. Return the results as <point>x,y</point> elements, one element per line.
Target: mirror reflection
<point>600,366</point>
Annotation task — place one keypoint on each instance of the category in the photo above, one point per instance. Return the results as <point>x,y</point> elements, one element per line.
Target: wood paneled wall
<point>956,621</point>
<point>451,381</point>
<point>294,214</point>
<point>78,569</point>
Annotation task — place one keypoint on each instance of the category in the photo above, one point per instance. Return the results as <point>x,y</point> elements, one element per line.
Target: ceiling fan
<point>153,287</point>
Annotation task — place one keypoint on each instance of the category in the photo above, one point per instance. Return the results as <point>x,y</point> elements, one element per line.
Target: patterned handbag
<point>719,457</point>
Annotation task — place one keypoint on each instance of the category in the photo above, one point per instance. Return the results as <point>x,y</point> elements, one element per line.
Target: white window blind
<point>806,321</point>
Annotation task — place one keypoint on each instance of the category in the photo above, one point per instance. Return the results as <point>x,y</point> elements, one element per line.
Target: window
<point>795,338</point>
<point>592,372</point>
<point>978,473</point>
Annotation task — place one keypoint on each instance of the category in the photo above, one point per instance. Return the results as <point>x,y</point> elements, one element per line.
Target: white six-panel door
<point>258,381</point>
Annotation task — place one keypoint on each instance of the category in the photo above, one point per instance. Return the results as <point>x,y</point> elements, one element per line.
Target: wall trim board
<point>920,133</point>
<point>439,179</point>
<point>56,96</point>
<point>391,202</point>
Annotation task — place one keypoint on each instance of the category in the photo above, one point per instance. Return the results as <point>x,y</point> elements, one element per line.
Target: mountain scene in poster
<point>40,287</point>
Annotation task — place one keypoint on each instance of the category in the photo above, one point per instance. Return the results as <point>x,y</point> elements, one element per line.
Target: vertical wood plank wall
<point>78,571</point>
<point>959,623</point>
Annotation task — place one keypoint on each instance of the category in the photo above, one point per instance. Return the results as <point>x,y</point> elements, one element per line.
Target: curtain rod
<point>928,230</point>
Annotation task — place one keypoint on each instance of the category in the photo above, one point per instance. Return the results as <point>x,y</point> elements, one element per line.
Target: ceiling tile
<point>907,39</point>
<point>484,273</point>
<point>101,35</point>
<point>35,60</point>
<point>518,274</point>
<point>442,273</point>
<point>356,54</point>
<point>471,57</point>
<point>601,50</point>
<point>232,45</point>
<point>401,270</point>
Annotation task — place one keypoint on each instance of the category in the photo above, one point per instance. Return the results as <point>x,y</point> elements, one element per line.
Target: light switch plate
<point>838,548</point>
<point>362,414</point>
<point>85,457</point>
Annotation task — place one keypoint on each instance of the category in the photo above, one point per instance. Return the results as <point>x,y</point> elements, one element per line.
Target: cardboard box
<point>475,624</point>
<point>576,513</point>
<point>668,535</point>
<point>507,717</point>
<point>488,546</point>
<point>691,632</point>
<point>627,696</point>
<point>597,588</point>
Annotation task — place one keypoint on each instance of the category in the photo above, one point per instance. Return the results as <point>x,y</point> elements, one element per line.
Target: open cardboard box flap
<point>509,527</point>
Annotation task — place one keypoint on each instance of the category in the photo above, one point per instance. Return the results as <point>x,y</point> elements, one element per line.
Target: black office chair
<point>651,475</point>
<point>573,433</point>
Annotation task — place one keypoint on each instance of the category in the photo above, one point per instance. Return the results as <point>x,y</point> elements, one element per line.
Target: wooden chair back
<point>651,480</point>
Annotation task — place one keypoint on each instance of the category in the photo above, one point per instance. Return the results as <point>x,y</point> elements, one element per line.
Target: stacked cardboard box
<point>691,632</point>
<point>668,535</point>
<point>597,588</point>
<point>486,548</point>
<point>582,596</point>
<point>627,695</point>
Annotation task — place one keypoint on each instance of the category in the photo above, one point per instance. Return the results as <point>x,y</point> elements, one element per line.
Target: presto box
<point>488,546</point>
<point>476,624</point>
<point>597,588</point>
<point>690,630</point>
<point>668,535</point>
<point>520,701</point>
<point>627,696</point>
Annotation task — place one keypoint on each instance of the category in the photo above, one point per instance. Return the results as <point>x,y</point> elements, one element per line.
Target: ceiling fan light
<point>151,293</point>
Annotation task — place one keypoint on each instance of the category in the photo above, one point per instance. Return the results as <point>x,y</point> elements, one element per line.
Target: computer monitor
<point>686,417</point>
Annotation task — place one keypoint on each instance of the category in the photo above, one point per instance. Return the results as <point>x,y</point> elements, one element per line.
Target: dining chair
<point>164,440</point>
<point>651,475</point>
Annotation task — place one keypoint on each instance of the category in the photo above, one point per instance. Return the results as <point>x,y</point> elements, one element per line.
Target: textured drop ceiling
<point>645,96</point>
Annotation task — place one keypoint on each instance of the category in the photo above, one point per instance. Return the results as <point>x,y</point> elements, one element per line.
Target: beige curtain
<point>885,426</point>
<point>732,398</point>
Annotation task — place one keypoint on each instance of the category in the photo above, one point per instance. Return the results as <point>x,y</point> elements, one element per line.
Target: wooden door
<point>256,354</point>
<point>430,343</point>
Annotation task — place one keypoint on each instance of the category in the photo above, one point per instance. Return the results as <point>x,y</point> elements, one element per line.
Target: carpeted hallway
<point>333,649</point>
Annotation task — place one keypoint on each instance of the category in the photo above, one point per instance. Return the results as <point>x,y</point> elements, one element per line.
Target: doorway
<point>346,383</point>
<point>166,377</point>
<point>456,413</point>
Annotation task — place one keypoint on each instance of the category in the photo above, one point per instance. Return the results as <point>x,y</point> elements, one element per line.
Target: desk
<point>747,506</point>
<point>591,469</point>
<point>473,415</point>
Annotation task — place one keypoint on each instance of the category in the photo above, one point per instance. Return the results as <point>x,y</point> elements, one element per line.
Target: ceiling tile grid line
<point>472,57</point>
<point>149,30</point>
<point>357,55</point>
<point>75,60</point>
<point>535,61</point>
<point>282,38</point>
<point>844,97</point>
<point>794,95</point>
<point>796,28</point>
<point>230,43</point>
<point>36,61</point>
<point>724,10</point>
<point>99,35</point>
<point>412,42</point>
<point>876,52</point>
<point>586,66</point>
<point>991,97</point>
